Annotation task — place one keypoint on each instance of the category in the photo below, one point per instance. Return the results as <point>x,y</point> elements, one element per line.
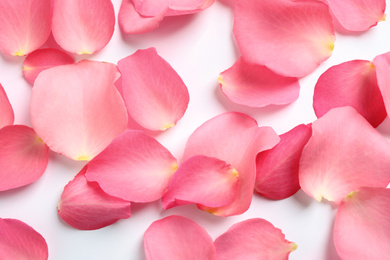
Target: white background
<point>198,47</point>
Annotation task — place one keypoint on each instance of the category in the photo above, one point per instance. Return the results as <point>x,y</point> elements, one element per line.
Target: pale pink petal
<point>256,86</point>
<point>20,241</point>
<point>134,167</point>
<point>23,156</point>
<point>202,180</point>
<point>253,239</point>
<point>176,237</point>
<point>354,84</point>
<point>84,205</point>
<point>24,25</point>
<point>76,108</point>
<point>6,111</point>
<point>43,59</point>
<point>277,169</point>
<point>174,7</point>
<point>155,95</point>
<point>289,37</point>
<point>236,139</point>
<point>362,225</point>
<point>344,153</point>
<point>382,64</point>
<point>83,26</point>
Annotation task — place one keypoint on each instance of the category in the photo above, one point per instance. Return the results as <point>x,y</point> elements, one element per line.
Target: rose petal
<point>174,7</point>
<point>83,26</point>
<point>176,237</point>
<point>277,169</point>
<point>76,108</point>
<point>344,153</point>
<point>253,239</point>
<point>155,95</point>
<point>289,37</point>
<point>20,241</point>
<point>6,111</point>
<point>382,63</point>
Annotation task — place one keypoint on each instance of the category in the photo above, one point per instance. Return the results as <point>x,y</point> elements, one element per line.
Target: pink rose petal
<point>76,108</point>
<point>155,95</point>
<point>23,156</point>
<point>382,64</point>
<point>176,237</point>
<point>289,37</point>
<point>174,7</point>
<point>83,26</point>
<point>6,111</point>
<point>20,241</point>
<point>362,226</point>
<point>277,169</point>
<point>344,153</point>
<point>253,239</point>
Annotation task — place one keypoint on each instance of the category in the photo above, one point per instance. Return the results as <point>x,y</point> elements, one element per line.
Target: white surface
<point>198,47</point>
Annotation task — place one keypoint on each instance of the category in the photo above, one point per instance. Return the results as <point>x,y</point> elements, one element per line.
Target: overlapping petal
<point>20,241</point>
<point>176,237</point>
<point>76,108</point>
<point>84,205</point>
<point>173,7</point>
<point>289,37</point>
<point>344,153</point>
<point>362,225</point>
<point>277,169</point>
<point>382,64</point>
<point>6,111</point>
<point>155,95</point>
<point>83,26</point>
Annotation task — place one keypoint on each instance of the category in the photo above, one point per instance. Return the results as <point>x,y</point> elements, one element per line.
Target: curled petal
<point>382,64</point>
<point>173,7</point>
<point>6,111</point>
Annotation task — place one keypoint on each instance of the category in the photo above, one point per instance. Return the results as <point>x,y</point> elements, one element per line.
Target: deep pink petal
<point>24,25</point>
<point>352,83</point>
<point>20,241</point>
<point>382,64</point>
<point>362,225</point>
<point>76,108</point>
<point>23,156</point>
<point>6,111</point>
<point>253,239</point>
<point>174,7</point>
<point>43,59</point>
<point>344,153</point>
<point>176,237</point>
<point>289,37</point>
<point>277,169</point>
<point>83,26</point>
<point>155,95</point>
<point>134,167</point>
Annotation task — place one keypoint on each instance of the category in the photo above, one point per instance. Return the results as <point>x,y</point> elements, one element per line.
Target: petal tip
<point>293,247</point>
<point>169,125</point>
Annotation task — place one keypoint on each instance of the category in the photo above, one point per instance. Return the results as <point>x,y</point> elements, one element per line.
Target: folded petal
<point>174,7</point>
<point>155,95</point>
<point>43,59</point>
<point>84,205</point>
<point>362,225</point>
<point>289,37</point>
<point>6,111</point>
<point>176,237</point>
<point>24,25</point>
<point>344,153</point>
<point>134,167</point>
<point>23,156</point>
<point>382,64</point>
<point>277,169</point>
<point>76,108</point>
<point>352,83</point>
<point>253,239</point>
<point>83,26</point>
<point>20,241</point>
<point>256,86</point>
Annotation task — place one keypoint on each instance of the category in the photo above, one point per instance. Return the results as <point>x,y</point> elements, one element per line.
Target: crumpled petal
<point>155,95</point>
<point>76,108</point>
<point>253,239</point>
<point>352,83</point>
<point>134,167</point>
<point>382,64</point>
<point>256,86</point>
<point>84,205</point>
<point>176,237</point>
<point>25,25</point>
<point>362,225</point>
<point>20,241</point>
<point>277,169</point>
<point>289,37</point>
<point>344,153</point>
<point>6,111</point>
<point>23,156</point>
<point>83,26</point>
<point>43,59</point>
<point>173,7</point>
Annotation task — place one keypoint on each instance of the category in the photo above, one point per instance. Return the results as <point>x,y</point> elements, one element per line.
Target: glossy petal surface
<point>6,111</point>
<point>382,64</point>
<point>173,7</point>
